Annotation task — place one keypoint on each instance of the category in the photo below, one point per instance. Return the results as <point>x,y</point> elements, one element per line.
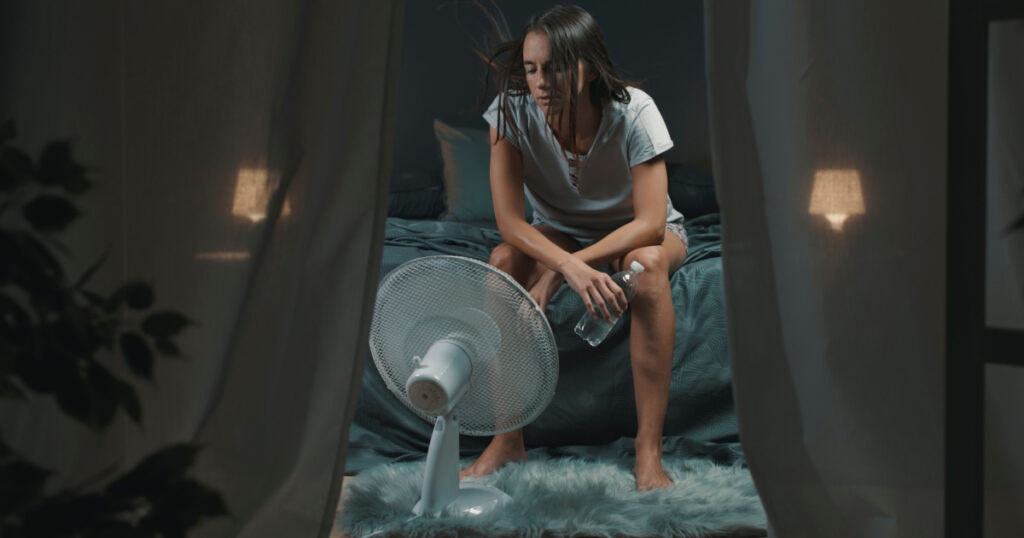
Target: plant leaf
<point>91,270</point>
<point>49,213</point>
<point>37,271</point>
<point>54,161</point>
<point>105,395</point>
<point>84,340</point>
<point>167,347</point>
<point>155,472</point>
<point>73,394</point>
<point>15,325</point>
<point>16,168</point>
<point>58,167</point>
<point>66,514</point>
<point>165,324</point>
<point>130,402</point>
<point>137,355</point>
<point>181,506</point>
<point>95,299</point>
<point>38,373</point>
<point>138,295</point>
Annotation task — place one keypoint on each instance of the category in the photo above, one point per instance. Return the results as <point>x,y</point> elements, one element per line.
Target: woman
<point>588,149</point>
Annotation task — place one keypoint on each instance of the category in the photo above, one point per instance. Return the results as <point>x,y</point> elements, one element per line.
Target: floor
<point>335,533</point>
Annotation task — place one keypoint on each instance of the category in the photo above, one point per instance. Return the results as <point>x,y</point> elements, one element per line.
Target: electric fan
<point>463,345</point>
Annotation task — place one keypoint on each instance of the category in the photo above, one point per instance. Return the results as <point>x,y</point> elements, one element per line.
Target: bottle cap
<point>636,267</point>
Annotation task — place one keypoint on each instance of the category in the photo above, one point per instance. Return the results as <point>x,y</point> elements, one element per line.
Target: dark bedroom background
<point>659,43</point>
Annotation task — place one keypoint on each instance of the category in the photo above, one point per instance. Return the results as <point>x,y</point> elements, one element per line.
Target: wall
<point>660,43</point>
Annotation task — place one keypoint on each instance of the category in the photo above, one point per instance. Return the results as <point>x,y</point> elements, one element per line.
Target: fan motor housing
<point>440,378</point>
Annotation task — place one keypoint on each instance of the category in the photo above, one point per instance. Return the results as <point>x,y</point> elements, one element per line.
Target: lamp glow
<point>253,190</point>
<point>837,194</point>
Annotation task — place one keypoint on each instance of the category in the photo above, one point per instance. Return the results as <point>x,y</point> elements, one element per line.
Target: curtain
<point>1004,283</point>
<point>828,125</point>
<point>241,152</point>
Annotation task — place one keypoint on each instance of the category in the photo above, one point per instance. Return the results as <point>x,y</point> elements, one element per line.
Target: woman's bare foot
<point>648,470</point>
<point>504,448</point>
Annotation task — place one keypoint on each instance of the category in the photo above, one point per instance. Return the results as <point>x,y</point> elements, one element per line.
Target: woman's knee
<point>654,260</point>
<point>506,257</point>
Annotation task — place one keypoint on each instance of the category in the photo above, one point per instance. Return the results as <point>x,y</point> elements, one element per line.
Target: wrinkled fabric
<point>836,334</point>
<point>242,171</point>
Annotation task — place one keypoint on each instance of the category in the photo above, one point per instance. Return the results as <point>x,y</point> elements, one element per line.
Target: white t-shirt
<point>590,200</point>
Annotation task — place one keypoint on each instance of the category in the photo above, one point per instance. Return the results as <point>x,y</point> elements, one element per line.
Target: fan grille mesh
<point>414,308</point>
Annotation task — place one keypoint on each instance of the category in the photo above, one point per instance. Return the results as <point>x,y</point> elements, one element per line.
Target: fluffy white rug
<point>566,497</point>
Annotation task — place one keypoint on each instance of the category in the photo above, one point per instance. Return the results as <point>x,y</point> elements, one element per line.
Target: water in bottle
<point>593,330</point>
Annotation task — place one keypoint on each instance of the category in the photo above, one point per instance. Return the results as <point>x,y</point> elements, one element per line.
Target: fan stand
<point>442,489</point>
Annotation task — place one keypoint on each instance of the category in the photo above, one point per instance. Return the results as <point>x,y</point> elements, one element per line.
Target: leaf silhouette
<point>15,325</point>
<point>91,271</point>
<point>137,295</point>
<point>57,167</point>
<point>37,271</point>
<point>49,213</point>
<point>167,347</point>
<point>137,355</point>
<point>181,505</point>
<point>16,168</point>
<point>130,401</point>
<point>164,324</point>
<point>155,472</point>
<point>104,389</point>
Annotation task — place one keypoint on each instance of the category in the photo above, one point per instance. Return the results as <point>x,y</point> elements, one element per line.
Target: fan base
<point>473,500</point>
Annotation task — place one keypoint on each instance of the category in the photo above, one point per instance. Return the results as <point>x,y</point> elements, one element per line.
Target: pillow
<point>466,158</point>
<point>416,195</point>
<point>692,190</point>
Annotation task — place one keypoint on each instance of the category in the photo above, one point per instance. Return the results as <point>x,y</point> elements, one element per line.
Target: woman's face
<point>546,84</point>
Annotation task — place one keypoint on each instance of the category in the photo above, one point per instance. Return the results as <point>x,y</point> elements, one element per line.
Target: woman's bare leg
<point>508,447</point>
<point>651,345</point>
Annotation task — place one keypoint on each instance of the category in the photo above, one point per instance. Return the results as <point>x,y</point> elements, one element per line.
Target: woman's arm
<point>510,206</point>
<point>650,195</point>
<point>650,192</point>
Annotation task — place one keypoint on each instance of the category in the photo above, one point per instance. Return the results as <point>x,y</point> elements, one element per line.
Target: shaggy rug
<point>565,497</point>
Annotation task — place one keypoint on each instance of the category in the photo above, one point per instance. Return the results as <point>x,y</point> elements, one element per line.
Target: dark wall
<point>660,43</point>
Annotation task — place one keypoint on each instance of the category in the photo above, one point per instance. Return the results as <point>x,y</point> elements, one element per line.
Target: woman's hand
<point>545,288</point>
<point>600,294</point>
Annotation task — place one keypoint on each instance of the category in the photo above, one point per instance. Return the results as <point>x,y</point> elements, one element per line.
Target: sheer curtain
<point>1004,305</point>
<point>829,140</point>
<point>241,152</point>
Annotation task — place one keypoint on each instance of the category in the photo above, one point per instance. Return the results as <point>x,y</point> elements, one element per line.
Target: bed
<point>592,414</point>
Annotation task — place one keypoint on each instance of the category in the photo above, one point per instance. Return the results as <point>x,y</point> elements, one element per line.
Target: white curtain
<point>828,123</point>
<point>241,152</point>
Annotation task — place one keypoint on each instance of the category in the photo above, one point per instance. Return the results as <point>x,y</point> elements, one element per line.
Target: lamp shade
<point>252,194</point>
<point>837,194</point>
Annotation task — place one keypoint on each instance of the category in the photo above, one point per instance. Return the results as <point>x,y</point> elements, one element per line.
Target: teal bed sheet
<point>593,413</point>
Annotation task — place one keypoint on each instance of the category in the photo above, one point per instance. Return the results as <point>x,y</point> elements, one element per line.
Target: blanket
<point>593,413</point>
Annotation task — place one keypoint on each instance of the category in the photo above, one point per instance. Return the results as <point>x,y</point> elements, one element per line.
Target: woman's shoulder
<point>638,99</point>
<point>516,101</point>
<point>626,114</point>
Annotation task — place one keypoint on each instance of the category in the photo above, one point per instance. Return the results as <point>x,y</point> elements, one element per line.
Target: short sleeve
<point>647,136</point>
<point>491,115</point>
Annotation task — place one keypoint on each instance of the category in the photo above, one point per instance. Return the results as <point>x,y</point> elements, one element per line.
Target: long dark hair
<point>574,36</point>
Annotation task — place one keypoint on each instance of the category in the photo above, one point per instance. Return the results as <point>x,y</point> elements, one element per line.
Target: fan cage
<point>414,308</point>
